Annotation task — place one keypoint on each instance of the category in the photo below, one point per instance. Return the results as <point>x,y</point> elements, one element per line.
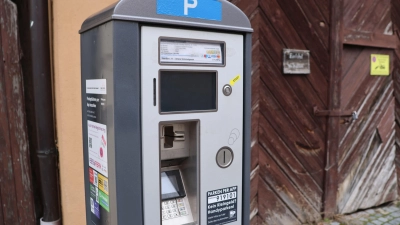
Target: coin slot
<point>224,157</point>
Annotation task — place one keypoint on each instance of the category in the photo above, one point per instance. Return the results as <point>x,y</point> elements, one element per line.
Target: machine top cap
<point>211,14</point>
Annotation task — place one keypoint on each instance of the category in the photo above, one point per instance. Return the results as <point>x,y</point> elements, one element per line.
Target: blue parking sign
<point>200,9</point>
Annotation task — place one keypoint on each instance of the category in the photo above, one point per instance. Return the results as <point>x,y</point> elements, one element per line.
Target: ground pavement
<point>385,215</point>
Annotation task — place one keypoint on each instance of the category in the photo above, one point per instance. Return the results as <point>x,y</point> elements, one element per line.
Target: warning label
<point>222,206</point>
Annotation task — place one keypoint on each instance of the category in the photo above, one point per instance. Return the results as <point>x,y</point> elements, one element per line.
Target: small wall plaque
<point>296,61</point>
<point>380,65</point>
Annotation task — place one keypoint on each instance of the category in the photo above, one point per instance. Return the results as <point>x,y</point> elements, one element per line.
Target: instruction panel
<point>96,112</point>
<point>222,206</point>
<point>172,51</point>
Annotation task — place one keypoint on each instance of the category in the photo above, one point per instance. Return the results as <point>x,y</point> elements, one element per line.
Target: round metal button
<point>227,89</point>
<point>224,157</point>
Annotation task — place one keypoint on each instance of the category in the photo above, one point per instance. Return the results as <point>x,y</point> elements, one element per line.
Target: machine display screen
<point>171,185</point>
<point>188,91</point>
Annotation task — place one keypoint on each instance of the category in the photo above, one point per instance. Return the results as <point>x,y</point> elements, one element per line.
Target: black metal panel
<point>247,129</point>
<point>97,63</point>
<point>127,119</point>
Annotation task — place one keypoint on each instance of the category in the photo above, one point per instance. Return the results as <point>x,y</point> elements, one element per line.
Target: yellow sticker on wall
<point>103,183</point>
<point>380,65</point>
<point>234,80</point>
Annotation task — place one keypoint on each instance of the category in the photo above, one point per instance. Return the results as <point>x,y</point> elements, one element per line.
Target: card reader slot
<point>172,136</point>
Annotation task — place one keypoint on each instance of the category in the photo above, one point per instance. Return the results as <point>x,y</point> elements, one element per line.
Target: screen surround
<point>186,91</point>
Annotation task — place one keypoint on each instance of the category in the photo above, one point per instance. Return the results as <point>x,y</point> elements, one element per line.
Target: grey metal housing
<point>233,19</point>
<point>110,49</point>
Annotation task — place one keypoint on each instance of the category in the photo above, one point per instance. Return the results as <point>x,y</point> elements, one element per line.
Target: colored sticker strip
<point>103,183</point>
<point>104,201</point>
<point>234,80</point>
<point>94,193</point>
<point>93,177</point>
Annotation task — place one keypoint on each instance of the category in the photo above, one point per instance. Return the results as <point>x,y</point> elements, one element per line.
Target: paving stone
<point>389,215</point>
<point>377,222</point>
<point>392,209</point>
<point>393,222</point>
<point>396,221</point>
<point>383,219</point>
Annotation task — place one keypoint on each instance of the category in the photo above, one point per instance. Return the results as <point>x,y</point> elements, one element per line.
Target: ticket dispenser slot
<point>179,172</point>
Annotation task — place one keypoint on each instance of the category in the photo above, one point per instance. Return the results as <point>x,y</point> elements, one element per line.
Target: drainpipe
<point>42,113</point>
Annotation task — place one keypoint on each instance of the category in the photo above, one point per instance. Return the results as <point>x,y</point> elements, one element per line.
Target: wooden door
<point>16,195</point>
<point>304,164</point>
<point>288,140</point>
<point>366,169</point>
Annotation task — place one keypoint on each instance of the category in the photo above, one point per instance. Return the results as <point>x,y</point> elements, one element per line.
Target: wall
<point>67,19</point>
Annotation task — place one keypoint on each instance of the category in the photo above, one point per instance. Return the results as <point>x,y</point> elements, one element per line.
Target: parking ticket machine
<point>166,113</point>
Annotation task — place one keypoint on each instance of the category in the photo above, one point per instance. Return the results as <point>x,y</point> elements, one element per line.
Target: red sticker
<point>91,176</point>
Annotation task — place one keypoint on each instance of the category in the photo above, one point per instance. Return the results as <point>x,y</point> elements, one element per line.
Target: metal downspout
<point>45,150</point>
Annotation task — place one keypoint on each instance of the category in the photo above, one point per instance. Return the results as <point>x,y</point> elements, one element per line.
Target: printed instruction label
<point>222,206</point>
<point>97,145</point>
<point>190,52</point>
<point>96,86</point>
<point>104,201</point>
<point>380,65</point>
<point>103,184</point>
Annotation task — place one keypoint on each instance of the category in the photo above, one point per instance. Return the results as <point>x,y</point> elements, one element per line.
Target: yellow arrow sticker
<point>234,80</point>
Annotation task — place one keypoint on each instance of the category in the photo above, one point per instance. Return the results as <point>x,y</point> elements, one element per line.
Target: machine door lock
<point>227,89</point>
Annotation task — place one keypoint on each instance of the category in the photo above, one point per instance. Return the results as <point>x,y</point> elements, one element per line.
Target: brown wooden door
<point>16,195</point>
<point>288,140</point>
<point>367,174</point>
<point>300,169</point>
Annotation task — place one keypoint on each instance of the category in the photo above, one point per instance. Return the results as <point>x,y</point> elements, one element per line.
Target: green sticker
<point>92,191</point>
<point>104,201</point>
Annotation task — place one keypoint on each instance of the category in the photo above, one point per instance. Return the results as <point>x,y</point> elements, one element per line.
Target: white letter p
<point>189,5</point>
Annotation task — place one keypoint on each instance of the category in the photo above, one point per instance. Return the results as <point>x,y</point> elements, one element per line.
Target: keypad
<point>173,208</point>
